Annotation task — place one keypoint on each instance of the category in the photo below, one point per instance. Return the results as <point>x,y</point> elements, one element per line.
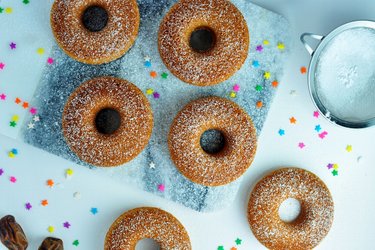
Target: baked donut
<point>107,121</point>
<point>235,136</point>
<point>312,224</point>
<point>203,42</point>
<point>95,31</point>
<point>147,222</point>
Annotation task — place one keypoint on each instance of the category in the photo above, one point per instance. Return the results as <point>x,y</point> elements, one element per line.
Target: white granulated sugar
<point>154,166</point>
<point>345,75</point>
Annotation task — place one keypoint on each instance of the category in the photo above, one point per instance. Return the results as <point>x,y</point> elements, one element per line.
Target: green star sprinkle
<point>220,248</point>
<point>13,124</point>
<point>164,75</point>
<point>335,172</point>
<point>76,243</point>
<point>26,1</point>
<point>238,241</point>
<point>1,10</point>
<point>258,88</point>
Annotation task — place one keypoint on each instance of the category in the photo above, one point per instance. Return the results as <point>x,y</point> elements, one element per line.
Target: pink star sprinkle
<point>3,97</point>
<point>67,225</point>
<point>13,179</point>
<point>2,65</point>
<point>316,114</point>
<point>12,45</point>
<point>236,88</point>
<point>260,48</point>
<point>33,111</point>
<point>28,206</point>
<point>161,187</point>
<point>50,60</point>
<point>323,135</point>
<point>301,145</point>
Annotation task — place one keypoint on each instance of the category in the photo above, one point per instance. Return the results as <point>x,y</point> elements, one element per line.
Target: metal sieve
<point>341,74</point>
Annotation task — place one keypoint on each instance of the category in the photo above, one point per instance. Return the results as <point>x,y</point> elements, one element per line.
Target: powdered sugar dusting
<point>314,221</point>
<point>141,223</point>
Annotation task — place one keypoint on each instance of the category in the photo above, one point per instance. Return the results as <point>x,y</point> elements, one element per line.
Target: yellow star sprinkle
<point>335,166</point>
<point>8,10</point>
<point>349,148</point>
<point>233,94</point>
<point>266,42</point>
<point>40,51</point>
<point>267,75</point>
<point>69,172</point>
<point>15,118</point>
<point>281,46</point>
<point>11,155</point>
<point>51,229</point>
<point>149,91</point>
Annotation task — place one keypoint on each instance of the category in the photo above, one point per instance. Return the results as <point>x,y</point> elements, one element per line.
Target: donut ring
<point>314,221</point>
<point>240,141</point>
<point>147,222</point>
<point>104,46</point>
<point>80,117</point>
<point>230,34</point>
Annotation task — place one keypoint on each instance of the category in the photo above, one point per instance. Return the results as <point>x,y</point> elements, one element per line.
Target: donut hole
<point>95,18</point>
<point>202,39</point>
<point>147,244</point>
<point>290,210</point>
<point>107,121</point>
<point>212,141</point>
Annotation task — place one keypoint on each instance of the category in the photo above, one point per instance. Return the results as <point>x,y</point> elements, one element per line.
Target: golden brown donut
<point>229,41</point>
<point>313,222</point>
<point>147,222</point>
<point>132,128</point>
<point>224,166</point>
<point>102,45</point>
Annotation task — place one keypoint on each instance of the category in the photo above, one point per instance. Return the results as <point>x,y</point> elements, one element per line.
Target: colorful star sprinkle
<point>3,97</point>
<point>94,210</point>
<point>13,153</point>
<point>267,75</point>
<point>2,65</point>
<point>259,48</point>
<point>164,75</point>
<point>275,84</point>
<point>293,120</point>
<point>316,114</point>
<point>335,173</point>
<point>12,46</point>
<point>30,125</point>
<point>301,145</point>
<point>349,148</point>
<point>26,1</point>
<point>44,203</point>
<point>281,46</point>
<point>220,248</point>
<point>69,173</point>
<point>303,70</point>
<point>152,165</point>
<point>236,88</point>
<point>66,225</point>
<point>13,179</point>
<point>153,74</point>
<point>323,135</point>
<point>50,183</point>
<point>149,91</point>
<point>1,10</point>
<point>258,88</point>
<point>318,128</point>
<point>238,241</point>
<point>8,10</point>
<point>256,64</point>
<point>334,167</point>
<point>281,132</point>
<point>51,229</point>
<point>156,95</point>
<point>161,187</point>
<point>266,42</point>
<point>1,171</point>
<point>259,104</point>
<point>50,60</point>
<point>28,206</point>
<point>12,124</point>
<point>40,51</point>
<point>76,243</point>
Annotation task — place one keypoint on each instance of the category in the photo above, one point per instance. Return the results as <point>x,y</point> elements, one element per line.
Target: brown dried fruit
<point>11,234</point>
<point>51,243</point>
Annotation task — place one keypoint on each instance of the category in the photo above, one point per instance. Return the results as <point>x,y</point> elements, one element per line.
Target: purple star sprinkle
<point>12,45</point>
<point>1,171</point>
<point>260,48</point>
<point>28,206</point>
<point>156,95</point>
<point>67,225</point>
<point>330,166</point>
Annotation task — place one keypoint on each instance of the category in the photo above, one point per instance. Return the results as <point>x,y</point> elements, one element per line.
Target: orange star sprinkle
<point>50,183</point>
<point>275,84</point>
<point>25,105</point>
<point>303,70</point>
<point>44,203</point>
<point>153,74</point>
<point>293,120</point>
<point>259,104</point>
<point>233,248</point>
<point>18,100</point>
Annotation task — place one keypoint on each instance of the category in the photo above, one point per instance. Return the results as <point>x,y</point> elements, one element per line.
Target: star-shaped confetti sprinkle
<point>69,173</point>
<point>275,84</point>
<point>76,243</point>
<point>330,166</point>
<point>267,75</point>
<point>236,88</point>
<point>323,135</point>
<point>318,128</point>
<point>94,210</point>
<point>238,241</point>
<point>147,64</point>
<point>301,145</point>
<point>335,166</point>
<point>13,179</point>
<point>349,148</point>
<point>303,70</point>
<point>266,42</point>
<point>258,88</point>
<point>3,97</point>
<point>40,51</point>
<point>13,124</point>
<point>255,64</point>
<point>220,248</point>
<point>36,118</point>
<point>149,91</point>
<point>12,45</point>
<point>31,125</point>
<point>66,225</point>
<point>259,104</point>
<point>233,248</point>
<point>161,187</point>
<point>281,46</point>
<point>147,59</point>
<point>335,173</point>
<point>259,48</point>
<point>8,10</point>
<point>28,206</point>
<point>316,114</point>
<point>51,229</point>
<point>164,75</point>
<point>1,171</point>
<point>44,203</point>
<point>50,60</point>
<point>2,65</point>
<point>153,74</point>
<point>152,165</point>
<point>25,105</point>
<point>1,10</point>
<point>17,100</point>
<point>293,120</point>
<point>281,132</point>
<point>156,95</point>
<point>50,183</point>
<point>26,1</point>
<point>233,94</point>
<point>15,118</point>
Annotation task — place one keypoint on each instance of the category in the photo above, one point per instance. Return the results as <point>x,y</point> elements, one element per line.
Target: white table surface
<point>352,189</point>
